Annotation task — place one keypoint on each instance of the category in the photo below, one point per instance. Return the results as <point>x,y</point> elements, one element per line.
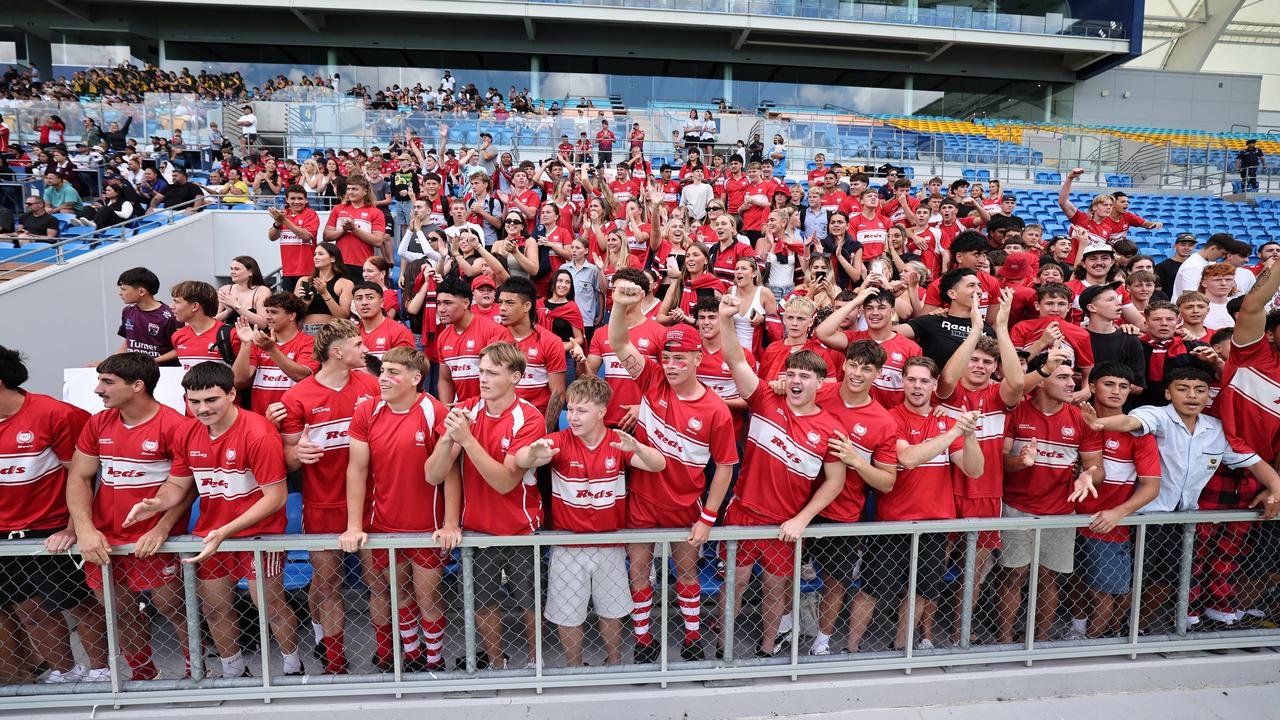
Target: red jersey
<point>872,232</point>
<point>231,470</point>
<point>670,190</point>
<point>297,255</point>
<point>754,216</point>
<point>436,207</point>
<point>324,414</point>
<point>388,334</point>
<point>1060,438</point>
<point>625,192</point>
<point>773,361</point>
<point>528,198</point>
<point>947,233</point>
<point>270,382</point>
<point>714,372</point>
<point>1249,402</point>
<point>544,356</point>
<point>923,492</point>
<point>1099,232</point>
<point>34,442</point>
<point>815,175</point>
<point>724,261</point>
<point>1125,458</point>
<point>838,200</point>
<point>588,485</point>
<point>784,456</point>
<point>887,388</point>
<point>1120,228</point>
<point>1076,338</point>
<point>689,433</point>
<point>647,338</point>
<point>874,436</point>
<point>369,219</point>
<point>396,489</point>
<point>992,417</point>
<point>605,139</point>
<point>735,192</point>
<point>133,463</point>
<point>519,512</point>
<point>460,352</point>
<point>989,292</point>
<point>194,348</point>
<point>891,210</point>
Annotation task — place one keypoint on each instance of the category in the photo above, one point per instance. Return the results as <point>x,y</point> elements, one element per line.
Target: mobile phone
<point>820,276</point>
<point>680,262</point>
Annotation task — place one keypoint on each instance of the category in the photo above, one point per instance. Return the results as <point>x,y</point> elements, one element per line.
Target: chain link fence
<point>280,616</point>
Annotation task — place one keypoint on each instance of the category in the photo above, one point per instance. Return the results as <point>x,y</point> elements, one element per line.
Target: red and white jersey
<point>588,484</point>
<point>543,357</point>
<point>887,388</point>
<point>670,190</point>
<point>1120,228</point>
<point>1249,402</point>
<point>435,212</point>
<point>519,512</point>
<point>1099,232</point>
<point>528,198</point>
<point>397,493</point>
<point>1125,458</point>
<point>34,442</point>
<point>992,416</point>
<point>1060,437</point>
<point>988,292</point>
<point>872,232</point>
<point>647,338</point>
<point>460,352</point>
<point>297,255</point>
<point>784,456</point>
<point>874,436</point>
<point>270,382</point>
<point>714,372</point>
<point>754,216</point>
<point>194,348</point>
<point>689,433</point>
<point>231,470</point>
<point>1026,333</point>
<point>368,218</point>
<point>925,491</point>
<point>637,249</point>
<point>773,361</point>
<point>324,416</point>
<point>947,233</point>
<point>892,211</point>
<point>133,463</point>
<point>625,192</point>
<point>388,334</point>
<point>735,191</point>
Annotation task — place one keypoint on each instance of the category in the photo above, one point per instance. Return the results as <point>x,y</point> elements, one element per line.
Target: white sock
<point>292,662</point>
<point>233,667</point>
<point>319,631</point>
<point>822,641</point>
<point>1079,624</point>
<point>785,623</point>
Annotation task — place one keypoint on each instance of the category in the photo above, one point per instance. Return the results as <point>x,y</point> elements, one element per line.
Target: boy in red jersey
<point>869,226</point>
<point>378,332</point>
<point>271,362</point>
<point>388,491</point>
<point>461,337</point>
<point>646,336</point>
<point>1130,479</point>
<point>37,442</point>
<point>797,319</point>
<point>877,311</point>
<point>967,383</point>
<point>499,497</point>
<point>931,448</point>
<point>1052,329</point>
<point>235,461</point>
<point>314,419</point>
<point>692,427</point>
<point>544,368</point>
<point>589,492</point>
<point>1049,434</point>
<point>713,371</point>
<point>357,226</point>
<point>128,448</point>
<point>790,445</point>
<point>296,228</point>
<point>757,201</point>
<point>195,303</point>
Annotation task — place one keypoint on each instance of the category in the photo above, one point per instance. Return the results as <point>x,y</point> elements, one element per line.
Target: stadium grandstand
<point>587,347</point>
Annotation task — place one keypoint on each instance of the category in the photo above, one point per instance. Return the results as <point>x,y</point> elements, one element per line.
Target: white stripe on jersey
<point>775,441</point>
<point>130,473</point>
<point>589,494</point>
<point>1049,454</point>
<point>271,378</point>
<point>726,388</point>
<point>613,367</point>
<point>1258,389</point>
<point>464,367</point>
<point>990,424</point>
<point>27,468</point>
<point>671,442</point>
<point>890,378</point>
<point>225,484</point>
<point>1118,472</point>
<point>534,376</point>
<point>331,435</point>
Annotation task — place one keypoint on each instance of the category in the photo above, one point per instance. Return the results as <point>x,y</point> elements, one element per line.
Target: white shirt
<point>1244,281</point>
<point>1187,460</point>
<point>1188,276</point>
<point>248,124</point>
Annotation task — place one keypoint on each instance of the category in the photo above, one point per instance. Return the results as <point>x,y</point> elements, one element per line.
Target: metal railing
<point>1183,541</point>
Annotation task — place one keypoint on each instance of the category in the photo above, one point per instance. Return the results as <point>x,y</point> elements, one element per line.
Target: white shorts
<point>1057,546</point>
<point>580,575</point>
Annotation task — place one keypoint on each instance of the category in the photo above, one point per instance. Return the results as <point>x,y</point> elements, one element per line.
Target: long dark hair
<point>255,272</point>
<point>339,267</point>
<point>552,286</point>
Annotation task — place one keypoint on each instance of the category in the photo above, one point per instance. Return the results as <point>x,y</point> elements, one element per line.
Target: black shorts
<point>836,558</point>
<point>54,579</point>
<point>1162,554</point>
<point>887,566</point>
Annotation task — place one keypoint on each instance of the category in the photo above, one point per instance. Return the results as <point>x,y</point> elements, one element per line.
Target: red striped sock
<point>689,597</point>
<point>642,604</point>
<point>409,631</point>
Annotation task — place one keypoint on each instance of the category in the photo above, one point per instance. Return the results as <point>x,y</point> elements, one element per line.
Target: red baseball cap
<point>682,338</point>
<point>481,280</point>
<point>1019,266</point>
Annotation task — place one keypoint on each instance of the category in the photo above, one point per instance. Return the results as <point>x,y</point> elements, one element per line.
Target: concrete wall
<point>1190,101</point>
<point>67,316</point>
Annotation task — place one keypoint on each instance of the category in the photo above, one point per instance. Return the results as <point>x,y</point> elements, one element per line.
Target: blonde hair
<point>331,332</point>
<point>1099,199</point>
<point>408,357</point>
<point>589,389</point>
<point>505,355</point>
<point>802,305</point>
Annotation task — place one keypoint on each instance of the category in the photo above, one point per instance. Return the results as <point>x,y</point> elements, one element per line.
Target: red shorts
<point>137,573</point>
<point>324,520</point>
<point>981,508</point>
<point>644,516</point>
<point>776,557</point>
<point>239,564</point>
<point>425,558</point>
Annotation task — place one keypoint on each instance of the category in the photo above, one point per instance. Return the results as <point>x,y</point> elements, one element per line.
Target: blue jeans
<point>401,210</point>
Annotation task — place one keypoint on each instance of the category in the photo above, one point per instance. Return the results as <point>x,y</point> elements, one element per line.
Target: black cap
<point>1008,196</point>
<point>1092,292</point>
<point>1185,237</point>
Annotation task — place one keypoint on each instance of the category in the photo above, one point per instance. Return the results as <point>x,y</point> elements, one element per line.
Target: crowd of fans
<point>769,355</point>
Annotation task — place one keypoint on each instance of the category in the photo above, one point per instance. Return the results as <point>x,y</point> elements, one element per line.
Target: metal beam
<point>313,20</point>
<point>529,30</point>
<point>740,38</point>
<point>77,10</point>
<point>941,49</point>
<point>1191,50</point>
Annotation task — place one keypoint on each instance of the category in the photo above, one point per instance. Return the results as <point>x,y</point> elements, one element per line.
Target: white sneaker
<point>820,650</point>
<point>98,675</point>
<point>1074,634</point>
<point>58,677</point>
<point>924,644</point>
